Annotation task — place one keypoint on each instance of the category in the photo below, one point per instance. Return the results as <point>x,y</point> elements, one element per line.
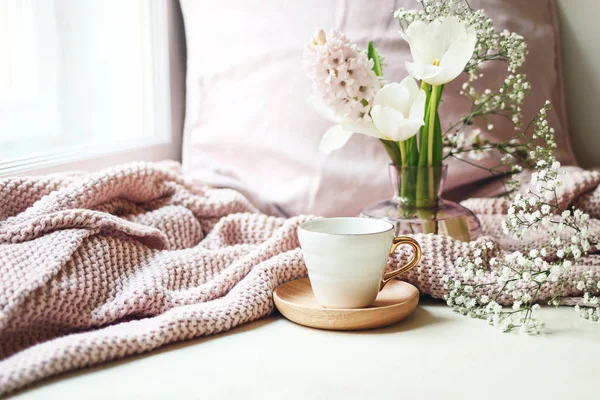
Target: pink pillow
<point>248,125</point>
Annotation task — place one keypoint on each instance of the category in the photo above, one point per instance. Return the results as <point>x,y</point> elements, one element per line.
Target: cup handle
<point>411,264</point>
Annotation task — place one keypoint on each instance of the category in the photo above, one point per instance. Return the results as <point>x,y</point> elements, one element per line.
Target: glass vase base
<point>447,218</point>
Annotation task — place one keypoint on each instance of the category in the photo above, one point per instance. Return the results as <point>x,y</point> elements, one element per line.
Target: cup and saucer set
<point>347,287</point>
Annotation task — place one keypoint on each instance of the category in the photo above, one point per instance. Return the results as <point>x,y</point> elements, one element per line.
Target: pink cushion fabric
<point>248,125</point>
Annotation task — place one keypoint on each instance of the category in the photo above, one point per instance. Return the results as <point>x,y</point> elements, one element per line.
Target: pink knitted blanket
<point>97,267</point>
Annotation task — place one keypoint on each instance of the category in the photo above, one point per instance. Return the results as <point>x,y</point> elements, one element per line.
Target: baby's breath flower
<point>521,275</point>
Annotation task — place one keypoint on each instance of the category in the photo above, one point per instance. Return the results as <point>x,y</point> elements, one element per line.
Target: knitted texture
<point>96,267</point>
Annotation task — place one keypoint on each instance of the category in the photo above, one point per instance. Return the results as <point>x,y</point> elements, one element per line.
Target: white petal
<point>435,28</point>
<point>393,125</point>
<point>435,41</point>
<point>417,110</point>
<point>418,38</point>
<point>451,30</point>
<point>384,119</point>
<point>438,79</point>
<point>319,105</point>
<point>334,138</point>
<point>393,95</point>
<point>413,88</point>
<point>457,57</point>
<point>407,130</point>
<point>366,128</point>
<point>417,28</point>
<point>424,72</point>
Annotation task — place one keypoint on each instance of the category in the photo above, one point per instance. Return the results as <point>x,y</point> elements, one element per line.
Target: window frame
<point>168,41</point>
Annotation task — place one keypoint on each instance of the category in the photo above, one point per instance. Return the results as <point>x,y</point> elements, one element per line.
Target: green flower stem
<point>408,179</point>
<point>402,146</point>
<point>424,176</point>
<point>422,153</point>
<point>433,106</point>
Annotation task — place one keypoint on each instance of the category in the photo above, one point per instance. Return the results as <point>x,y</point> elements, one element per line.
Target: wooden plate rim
<point>337,310</point>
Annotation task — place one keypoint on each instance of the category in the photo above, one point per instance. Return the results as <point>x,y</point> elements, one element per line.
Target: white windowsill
<point>89,158</point>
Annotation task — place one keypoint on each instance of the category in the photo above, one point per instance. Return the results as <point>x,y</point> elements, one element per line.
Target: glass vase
<point>417,206</point>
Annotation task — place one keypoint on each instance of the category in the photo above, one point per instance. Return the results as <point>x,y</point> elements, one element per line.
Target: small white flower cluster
<point>545,132</point>
<point>473,143</point>
<point>432,10</point>
<point>506,101</point>
<point>465,299</point>
<point>519,277</point>
<point>460,298</point>
<point>539,208</point>
<point>342,75</point>
<point>477,147</point>
<point>480,261</point>
<point>514,48</point>
<point>589,284</point>
<point>537,156</point>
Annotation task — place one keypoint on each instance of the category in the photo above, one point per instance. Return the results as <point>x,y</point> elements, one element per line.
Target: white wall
<point>580,32</point>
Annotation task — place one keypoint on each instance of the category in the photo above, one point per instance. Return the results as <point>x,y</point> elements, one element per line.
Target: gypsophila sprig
<point>589,284</point>
<point>519,277</point>
<point>472,143</point>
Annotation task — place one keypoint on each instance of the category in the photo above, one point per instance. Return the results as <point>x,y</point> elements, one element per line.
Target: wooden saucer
<point>296,301</point>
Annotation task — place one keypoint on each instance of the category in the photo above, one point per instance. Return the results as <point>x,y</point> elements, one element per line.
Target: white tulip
<point>397,114</point>
<point>440,49</point>
<point>338,135</point>
<point>398,110</point>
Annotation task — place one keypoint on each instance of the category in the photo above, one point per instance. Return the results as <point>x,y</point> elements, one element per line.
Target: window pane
<point>77,73</point>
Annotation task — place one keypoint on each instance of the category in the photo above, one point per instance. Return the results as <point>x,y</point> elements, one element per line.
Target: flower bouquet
<point>445,39</point>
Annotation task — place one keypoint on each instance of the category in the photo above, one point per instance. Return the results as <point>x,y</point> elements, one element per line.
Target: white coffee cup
<point>346,259</point>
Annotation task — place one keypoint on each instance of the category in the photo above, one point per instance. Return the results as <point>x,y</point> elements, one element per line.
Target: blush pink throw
<point>96,267</point>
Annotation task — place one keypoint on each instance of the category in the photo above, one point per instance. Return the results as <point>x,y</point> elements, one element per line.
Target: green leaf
<point>423,133</point>
<point>393,151</point>
<point>374,55</point>
<point>437,142</point>
<point>423,195</point>
<point>412,152</point>
<point>437,133</point>
<point>423,140</point>
<point>439,98</point>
